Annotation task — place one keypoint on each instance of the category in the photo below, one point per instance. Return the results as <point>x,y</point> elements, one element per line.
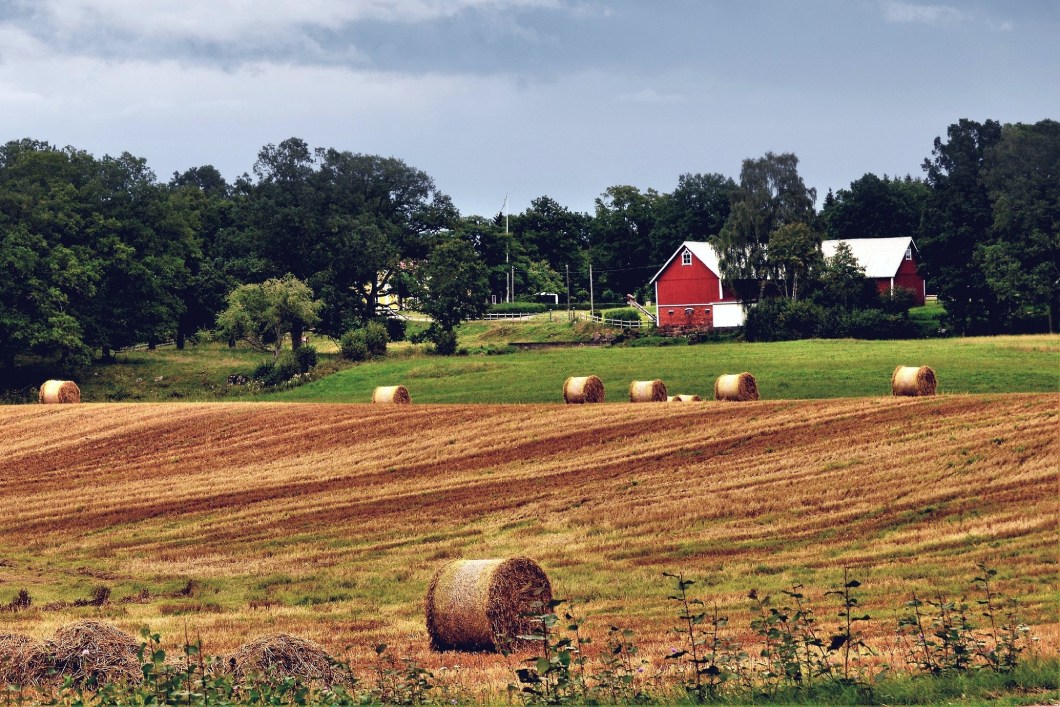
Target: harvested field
<point>328,521</point>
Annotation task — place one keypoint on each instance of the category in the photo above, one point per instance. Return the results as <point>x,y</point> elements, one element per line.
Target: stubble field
<point>225,521</point>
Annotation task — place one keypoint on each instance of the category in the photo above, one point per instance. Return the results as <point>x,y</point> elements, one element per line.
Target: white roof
<point>702,250</point>
<point>880,257</point>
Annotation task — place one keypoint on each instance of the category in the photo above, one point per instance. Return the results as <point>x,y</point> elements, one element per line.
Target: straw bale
<point>90,651</point>
<point>278,656</point>
<point>24,661</point>
<point>910,380</point>
<point>684,398</point>
<point>583,389</point>
<point>736,387</point>
<point>647,391</point>
<point>56,391</point>
<point>397,394</point>
<point>485,604</point>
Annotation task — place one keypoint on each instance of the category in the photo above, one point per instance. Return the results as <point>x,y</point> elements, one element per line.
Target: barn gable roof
<point>702,250</point>
<point>881,257</point>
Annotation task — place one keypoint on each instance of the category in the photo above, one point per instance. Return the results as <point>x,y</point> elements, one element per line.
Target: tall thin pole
<point>568,289</point>
<point>507,282</point>
<point>592,309</point>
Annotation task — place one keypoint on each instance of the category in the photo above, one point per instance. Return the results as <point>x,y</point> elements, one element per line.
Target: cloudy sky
<point>527,97</point>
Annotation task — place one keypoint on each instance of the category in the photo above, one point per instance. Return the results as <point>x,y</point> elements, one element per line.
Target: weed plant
<point>795,658</point>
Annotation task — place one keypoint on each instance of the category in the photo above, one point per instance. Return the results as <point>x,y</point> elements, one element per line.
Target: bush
<point>444,341</point>
<point>395,328</point>
<point>376,338</point>
<point>284,368</point>
<point>262,371</point>
<point>306,356</point>
<point>353,346</point>
<point>623,313</point>
<point>518,308</point>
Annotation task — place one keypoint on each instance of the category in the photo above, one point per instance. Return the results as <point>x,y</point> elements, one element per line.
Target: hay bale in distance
<point>682,398</point>
<point>483,604</point>
<point>24,661</point>
<point>90,651</point>
<point>584,389</point>
<point>736,387</point>
<point>277,656</point>
<point>55,391</point>
<point>647,392</point>
<point>910,380</point>
<point>397,394</point>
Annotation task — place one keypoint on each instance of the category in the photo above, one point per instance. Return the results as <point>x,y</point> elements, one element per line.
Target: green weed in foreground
<point>795,658</point>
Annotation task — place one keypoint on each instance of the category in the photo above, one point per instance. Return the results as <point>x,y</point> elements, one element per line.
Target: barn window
<point>689,310</point>
<point>908,253</point>
<point>671,312</point>
<point>686,258</point>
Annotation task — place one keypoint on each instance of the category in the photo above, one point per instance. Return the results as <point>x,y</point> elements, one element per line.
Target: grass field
<point>327,521</point>
<point>785,370</point>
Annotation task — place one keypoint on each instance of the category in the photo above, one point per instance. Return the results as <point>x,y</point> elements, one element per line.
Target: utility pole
<point>592,309</point>
<point>568,290</point>
<point>507,282</point>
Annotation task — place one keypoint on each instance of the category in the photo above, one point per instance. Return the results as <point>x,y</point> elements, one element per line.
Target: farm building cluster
<point>690,292</point>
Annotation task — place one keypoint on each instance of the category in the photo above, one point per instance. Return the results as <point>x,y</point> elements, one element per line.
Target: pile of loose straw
<point>90,651</point>
<point>277,656</point>
<point>24,661</point>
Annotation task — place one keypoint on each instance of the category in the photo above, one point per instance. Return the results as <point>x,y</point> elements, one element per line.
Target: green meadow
<point>783,370</point>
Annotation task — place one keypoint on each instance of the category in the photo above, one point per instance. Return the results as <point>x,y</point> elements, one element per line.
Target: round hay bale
<point>647,392</point>
<point>482,605</point>
<point>98,653</point>
<point>736,387</point>
<point>277,656</point>
<point>910,380</point>
<point>24,661</point>
<point>397,394</point>
<point>585,389</point>
<point>54,391</point>
<point>684,399</point>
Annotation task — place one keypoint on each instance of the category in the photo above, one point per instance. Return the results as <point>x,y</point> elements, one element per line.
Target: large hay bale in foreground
<point>278,656</point>
<point>647,392</point>
<point>398,394</point>
<point>90,651</point>
<point>910,380</point>
<point>681,398</point>
<point>736,387</point>
<point>483,604</point>
<point>24,661</point>
<point>55,391</point>
<point>583,389</point>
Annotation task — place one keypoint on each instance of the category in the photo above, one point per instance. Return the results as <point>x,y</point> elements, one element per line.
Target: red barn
<point>891,262</point>
<point>689,292</point>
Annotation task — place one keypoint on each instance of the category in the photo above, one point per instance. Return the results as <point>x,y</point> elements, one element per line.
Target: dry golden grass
<point>328,521</point>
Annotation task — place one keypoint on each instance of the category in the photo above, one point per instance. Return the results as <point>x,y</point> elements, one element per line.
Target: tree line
<point>100,254</point>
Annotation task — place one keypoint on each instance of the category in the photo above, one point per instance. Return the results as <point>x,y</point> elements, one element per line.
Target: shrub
<point>395,328</point>
<point>376,338</point>
<point>444,341</point>
<point>284,368</point>
<point>306,357</point>
<point>262,371</point>
<point>353,346</point>
<point>623,313</point>
<point>518,308</point>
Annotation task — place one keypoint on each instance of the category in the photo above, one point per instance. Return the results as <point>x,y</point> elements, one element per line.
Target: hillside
<point>328,520</point>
